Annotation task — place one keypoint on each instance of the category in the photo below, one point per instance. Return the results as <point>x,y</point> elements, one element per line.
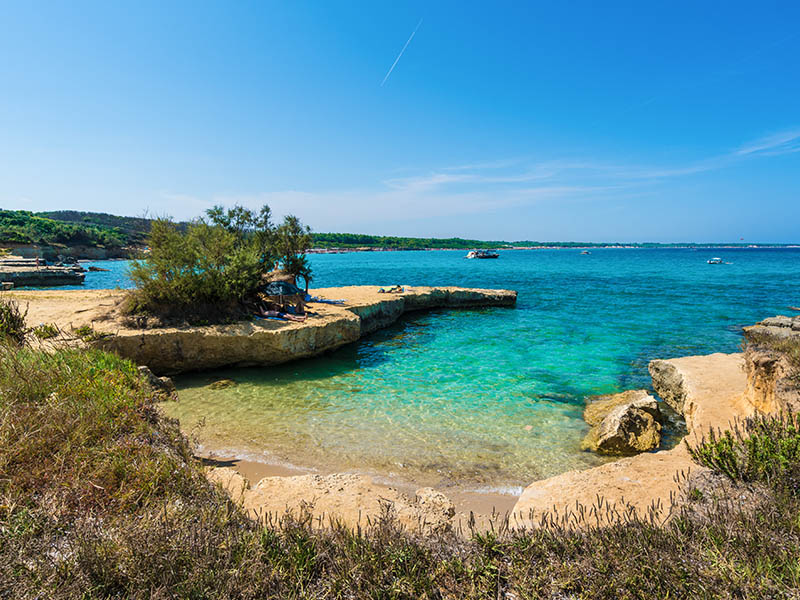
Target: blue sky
<point>501,120</point>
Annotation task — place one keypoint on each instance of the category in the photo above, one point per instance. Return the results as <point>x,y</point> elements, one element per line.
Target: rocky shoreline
<point>710,392</point>
<point>16,271</point>
<point>172,350</point>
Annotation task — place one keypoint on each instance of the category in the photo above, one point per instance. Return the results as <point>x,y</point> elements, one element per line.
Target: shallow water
<point>488,398</point>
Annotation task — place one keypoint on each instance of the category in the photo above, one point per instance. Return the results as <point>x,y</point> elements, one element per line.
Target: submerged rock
<point>221,384</point>
<point>631,426</point>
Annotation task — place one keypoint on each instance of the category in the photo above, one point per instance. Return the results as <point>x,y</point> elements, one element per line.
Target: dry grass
<point>101,498</point>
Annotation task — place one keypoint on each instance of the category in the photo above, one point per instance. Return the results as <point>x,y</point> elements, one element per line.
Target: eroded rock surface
<point>599,407</point>
<point>707,390</point>
<point>627,428</point>
<point>773,382</point>
<point>161,385</point>
<point>354,500</point>
<point>171,350</point>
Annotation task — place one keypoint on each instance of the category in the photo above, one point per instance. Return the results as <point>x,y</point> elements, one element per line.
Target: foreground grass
<point>100,498</point>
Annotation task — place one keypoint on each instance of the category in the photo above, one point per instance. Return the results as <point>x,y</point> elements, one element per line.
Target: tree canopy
<point>216,262</point>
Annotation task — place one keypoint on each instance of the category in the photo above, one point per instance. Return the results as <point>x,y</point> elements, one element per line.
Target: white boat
<point>715,261</point>
<point>482,254</point>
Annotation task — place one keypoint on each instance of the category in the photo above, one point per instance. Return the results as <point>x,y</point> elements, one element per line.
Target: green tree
<point>202,271</point>
<point>292,239</point>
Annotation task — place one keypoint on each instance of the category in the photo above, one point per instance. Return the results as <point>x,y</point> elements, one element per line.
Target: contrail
<point>401,53</point>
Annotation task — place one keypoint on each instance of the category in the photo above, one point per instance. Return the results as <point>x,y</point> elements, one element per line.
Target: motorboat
<point>483,254</point>
<point>715,261</point>
<point>585,252</point>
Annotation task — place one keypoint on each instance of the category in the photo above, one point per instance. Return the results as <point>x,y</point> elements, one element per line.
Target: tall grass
<point>100,498</point>
<point>12,321</point>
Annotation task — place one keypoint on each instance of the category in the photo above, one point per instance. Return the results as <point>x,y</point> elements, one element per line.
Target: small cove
<point>486,399</point>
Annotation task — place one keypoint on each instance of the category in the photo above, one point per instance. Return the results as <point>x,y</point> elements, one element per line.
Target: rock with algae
<point>221,384</point>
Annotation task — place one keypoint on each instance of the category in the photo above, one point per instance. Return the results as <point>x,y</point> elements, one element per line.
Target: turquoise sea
<point>490,398</point>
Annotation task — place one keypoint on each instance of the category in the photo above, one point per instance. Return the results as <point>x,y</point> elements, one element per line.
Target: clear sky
<point>630,121</point>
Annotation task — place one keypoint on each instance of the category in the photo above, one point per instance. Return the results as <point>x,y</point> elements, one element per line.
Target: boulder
<point>627,429</point>
<point>600,406</point>
<point>160,385</point>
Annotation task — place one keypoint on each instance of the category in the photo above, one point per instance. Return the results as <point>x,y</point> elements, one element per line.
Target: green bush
<point>12,321</point>
<point>203,271</point>
<point>45,331</point>
<point>759,449</point>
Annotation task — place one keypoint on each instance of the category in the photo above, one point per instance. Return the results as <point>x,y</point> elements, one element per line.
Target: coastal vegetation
<point>101,497</point>
<point>46,331</point>
<point>69,227</point>
<point>356,240</point>
<point>25,227</point>
<point>203,272</point>
<point>12,322</point>
<point>134,229</point>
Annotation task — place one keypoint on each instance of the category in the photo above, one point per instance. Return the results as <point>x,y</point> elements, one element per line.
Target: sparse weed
<point>100,497</point>
<point>46,331</point>
<point>89,334</point>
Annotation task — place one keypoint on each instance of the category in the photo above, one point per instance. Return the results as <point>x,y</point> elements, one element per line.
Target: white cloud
<point>480,188</point>
<point>785,142</point>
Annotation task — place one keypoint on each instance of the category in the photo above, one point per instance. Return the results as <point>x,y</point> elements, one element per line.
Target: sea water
<point>489,398</point>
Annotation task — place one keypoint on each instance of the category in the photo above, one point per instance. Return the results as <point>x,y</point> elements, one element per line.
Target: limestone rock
<point>437,508</point>
<point>668,383</point>
<point>168,350</point>
<point>627,429</point>
<point>779,321</point>
<point>712,390</point>
<point>353,500</point>
<point>771,387</point>
<point>231,481</point>
<point>161,385</point>
<point>707,390</point>
<point>779,328</point>
<point>600,406</point>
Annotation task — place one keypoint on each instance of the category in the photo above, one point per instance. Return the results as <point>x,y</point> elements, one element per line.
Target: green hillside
<point>357,240</point>
<point>135,229</point>
<point>25,227</point>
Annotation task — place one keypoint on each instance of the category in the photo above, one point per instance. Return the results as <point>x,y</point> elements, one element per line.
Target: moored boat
<point>482,254</point>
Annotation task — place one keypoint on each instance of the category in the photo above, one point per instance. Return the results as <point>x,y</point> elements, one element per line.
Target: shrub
<point>203,271</point>
<point>45,331</point>
<point>12,321</point>
<point>762,449</point>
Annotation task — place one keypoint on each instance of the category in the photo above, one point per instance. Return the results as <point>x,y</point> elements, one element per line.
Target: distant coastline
<point>560,246</point>
<point>97,236</point>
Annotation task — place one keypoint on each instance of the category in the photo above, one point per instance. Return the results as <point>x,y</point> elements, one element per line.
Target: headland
<point>172,350</point>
